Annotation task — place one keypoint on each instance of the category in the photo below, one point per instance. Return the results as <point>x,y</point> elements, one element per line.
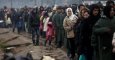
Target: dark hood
<point>107,10</point>
<point>93,18</point>
<point>92,7</point>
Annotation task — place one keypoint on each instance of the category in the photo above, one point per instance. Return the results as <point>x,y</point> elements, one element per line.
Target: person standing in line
<point>84,47</point>
<point>103,34</point>
<point>20,22</point>
<point>49,33</point>
<point>14,19</point>
<point>57,20</point>
<point>34,24</point>
<point>68,25</point>
<point>45,23</point>
<point>95,15</point>
<point>25,16</point>
<point>41,24</point>
<point>80,7</point>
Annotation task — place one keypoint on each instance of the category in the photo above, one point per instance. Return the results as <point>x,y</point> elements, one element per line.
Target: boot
<point>37,42</point>
<point>49,42</point>
<point>45,42</point>
<point>33,42</point>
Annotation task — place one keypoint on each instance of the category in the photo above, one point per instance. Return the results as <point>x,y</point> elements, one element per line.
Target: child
<point>49,33</point>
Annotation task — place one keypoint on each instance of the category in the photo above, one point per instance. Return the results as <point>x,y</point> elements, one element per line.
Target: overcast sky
<point>31,3</point>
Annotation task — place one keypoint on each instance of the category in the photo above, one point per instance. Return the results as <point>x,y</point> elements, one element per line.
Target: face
<point>95,12</point>
<point>59,10</point>
<point>112,12</point>
<point>62,11</point>
<point>85,14</point>
<point>69,12</point>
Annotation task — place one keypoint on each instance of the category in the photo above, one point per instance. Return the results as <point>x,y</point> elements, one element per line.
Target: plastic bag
<point>82,57</point>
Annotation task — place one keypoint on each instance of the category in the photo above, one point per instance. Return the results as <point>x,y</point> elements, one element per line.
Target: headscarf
<point>72,15</point>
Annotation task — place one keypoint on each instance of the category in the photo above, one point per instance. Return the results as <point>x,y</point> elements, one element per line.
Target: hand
<point>109,30</point>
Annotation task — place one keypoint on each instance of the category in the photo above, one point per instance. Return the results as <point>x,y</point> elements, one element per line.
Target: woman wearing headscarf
<point>103,34</point>
<point>84,35</point>
<point>68,25</point>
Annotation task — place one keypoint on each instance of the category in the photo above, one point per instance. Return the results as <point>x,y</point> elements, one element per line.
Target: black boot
<point>37,42</point>
<point>34,42</point>
<point>49,42</point>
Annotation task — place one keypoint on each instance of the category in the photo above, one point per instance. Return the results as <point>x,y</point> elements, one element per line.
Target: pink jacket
<point>50,31</point>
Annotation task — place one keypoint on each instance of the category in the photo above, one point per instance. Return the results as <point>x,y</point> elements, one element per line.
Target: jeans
<point>35,35</point>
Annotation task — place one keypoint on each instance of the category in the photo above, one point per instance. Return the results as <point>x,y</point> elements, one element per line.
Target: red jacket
<point>50,31</point>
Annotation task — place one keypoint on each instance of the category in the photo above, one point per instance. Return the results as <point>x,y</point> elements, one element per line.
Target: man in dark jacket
<point>25,18</point>
<point>34,24</point>
<point>95,15</point>
<point>14,18</point>
<point>57,20</point>
<point>103,34</point>
<point>2,18</point>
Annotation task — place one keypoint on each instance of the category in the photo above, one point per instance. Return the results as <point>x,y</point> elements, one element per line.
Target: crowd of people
<point>86,30</point>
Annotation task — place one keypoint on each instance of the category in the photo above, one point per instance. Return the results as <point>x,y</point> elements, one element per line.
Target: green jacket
<point>58,20</point>
<point>102,38</point>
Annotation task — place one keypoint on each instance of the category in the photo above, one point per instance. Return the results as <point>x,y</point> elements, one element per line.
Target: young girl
<point>41,23</point>
<point>45,23</point>
<point>49,33</point>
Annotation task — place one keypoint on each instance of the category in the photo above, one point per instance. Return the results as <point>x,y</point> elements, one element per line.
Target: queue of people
<point>85,31</point>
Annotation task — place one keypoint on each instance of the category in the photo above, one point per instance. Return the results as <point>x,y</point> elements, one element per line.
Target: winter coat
<point>102,38</point>
<point>50,31</point>
<point>68,25</point>
<point>34,20</point>
<point>20,23</point>
<point>45,22</point>
<point>84,37</point>
<point>14,17</point>
<point>57,20</point>
<point>25,16</point>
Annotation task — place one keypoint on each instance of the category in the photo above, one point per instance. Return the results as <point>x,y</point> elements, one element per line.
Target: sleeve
<point>53,20</point>
<point>67,28</point>
<point>75,20</point>
<point>99,28</point>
